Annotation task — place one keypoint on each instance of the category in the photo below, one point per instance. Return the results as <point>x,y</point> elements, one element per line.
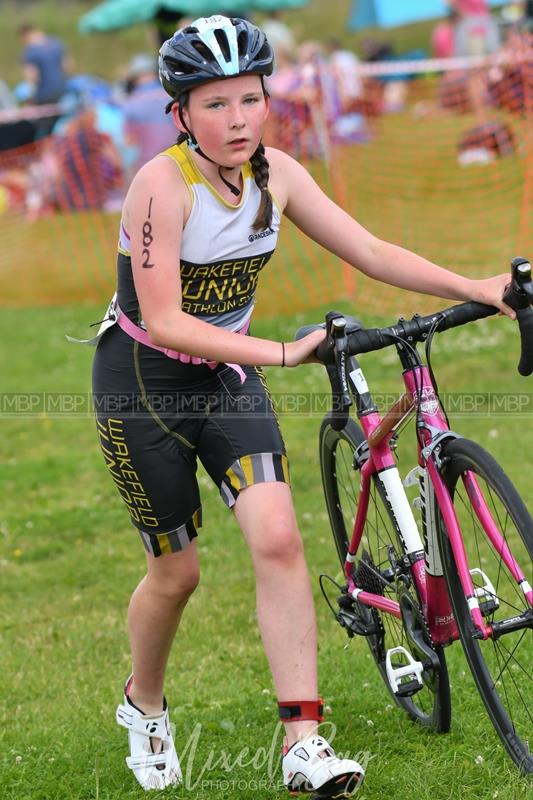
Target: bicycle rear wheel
<point>502,667</point>
<point>430,706</point>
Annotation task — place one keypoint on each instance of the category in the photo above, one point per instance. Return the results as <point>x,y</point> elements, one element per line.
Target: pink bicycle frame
<point>427,572</point>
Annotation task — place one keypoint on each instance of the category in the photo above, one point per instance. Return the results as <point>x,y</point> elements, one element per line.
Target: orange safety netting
<point>440,162</point>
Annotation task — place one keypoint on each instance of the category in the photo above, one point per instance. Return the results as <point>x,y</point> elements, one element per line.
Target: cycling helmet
<point>211,48</point>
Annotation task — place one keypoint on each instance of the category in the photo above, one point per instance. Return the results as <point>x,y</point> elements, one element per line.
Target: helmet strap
<point>233,189</point>
<point>193,144</point>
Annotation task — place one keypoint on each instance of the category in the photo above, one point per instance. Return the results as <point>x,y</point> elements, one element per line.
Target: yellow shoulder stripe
<point>178,154</point>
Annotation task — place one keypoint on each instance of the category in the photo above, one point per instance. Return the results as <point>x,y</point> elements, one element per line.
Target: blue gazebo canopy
<point>389,13</point>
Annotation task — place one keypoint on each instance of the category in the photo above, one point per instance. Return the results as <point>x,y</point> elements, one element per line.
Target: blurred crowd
<point>91,136</point>
<point>472,31</point>
<point>86,137</point>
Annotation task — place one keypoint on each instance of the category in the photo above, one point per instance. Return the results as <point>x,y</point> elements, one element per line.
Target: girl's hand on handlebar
<point>302,351</point>
<point>490,291</point>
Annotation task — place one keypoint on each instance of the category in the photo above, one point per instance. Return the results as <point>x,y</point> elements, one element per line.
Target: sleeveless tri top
<point>221,255</point>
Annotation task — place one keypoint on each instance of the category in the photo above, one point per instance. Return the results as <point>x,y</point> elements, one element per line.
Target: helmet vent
<point>265,53</point>
<point>203,50</point>
<point>223,43</point>
<point>242,43</point>
<point>180,67</point>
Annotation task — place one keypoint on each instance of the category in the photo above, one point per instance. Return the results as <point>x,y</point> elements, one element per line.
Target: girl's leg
<point>285,608</point>
<point>154,613</point>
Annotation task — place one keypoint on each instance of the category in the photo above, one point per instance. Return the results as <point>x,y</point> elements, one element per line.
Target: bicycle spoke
<point>431,705</point>
<point>501,667</point>
<point>518,689</point>
<point>511,656</point>
<point>480,537</point>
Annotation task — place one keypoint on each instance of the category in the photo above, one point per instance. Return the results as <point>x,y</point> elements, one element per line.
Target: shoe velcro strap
<point>146,761</point>
<point>296,710</point>
<point>130,718</point>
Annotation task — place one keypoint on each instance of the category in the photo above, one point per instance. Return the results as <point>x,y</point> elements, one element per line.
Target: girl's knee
<point>174,576</point>
<point>176,588</point>
<point>280,541</point>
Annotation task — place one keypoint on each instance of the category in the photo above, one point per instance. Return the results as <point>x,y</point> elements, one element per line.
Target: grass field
<point>69,560</point>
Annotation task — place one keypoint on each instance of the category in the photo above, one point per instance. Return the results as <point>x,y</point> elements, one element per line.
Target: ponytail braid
<point>260,169</point>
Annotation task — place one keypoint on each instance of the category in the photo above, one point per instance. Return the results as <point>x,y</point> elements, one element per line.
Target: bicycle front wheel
<point>502,666</point>
<point>430,706</point>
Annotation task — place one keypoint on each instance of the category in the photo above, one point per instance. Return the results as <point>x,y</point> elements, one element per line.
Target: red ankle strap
<point>296,710</point>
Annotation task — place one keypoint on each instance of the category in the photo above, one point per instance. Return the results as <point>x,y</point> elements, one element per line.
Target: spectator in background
<point>344,66</point>
<point>44,64</point>
<point>88,165</point>
<point>323,80</point>
<point>278,34</point>
<point>476,33</point>
<point>147,127</point>
<point>443,36</point>
<point>290,118</point>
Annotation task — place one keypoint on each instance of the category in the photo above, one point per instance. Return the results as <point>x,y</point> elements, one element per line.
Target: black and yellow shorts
<point>156,416</point>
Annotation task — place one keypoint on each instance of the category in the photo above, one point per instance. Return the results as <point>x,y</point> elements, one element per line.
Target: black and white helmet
<point>211,48</point>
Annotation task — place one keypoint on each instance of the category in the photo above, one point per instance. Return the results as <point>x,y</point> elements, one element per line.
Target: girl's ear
<point>175,112</point>
<point>267,105</point>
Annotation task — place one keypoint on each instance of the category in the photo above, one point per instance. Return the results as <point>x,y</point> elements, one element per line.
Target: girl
<point>199,223</point>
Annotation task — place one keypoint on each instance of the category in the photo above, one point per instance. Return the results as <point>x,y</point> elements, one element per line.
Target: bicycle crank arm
<point>415,633</point>
<point>419,644</point>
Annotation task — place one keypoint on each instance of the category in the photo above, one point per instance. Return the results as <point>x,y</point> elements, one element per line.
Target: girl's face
<point>227,118</point>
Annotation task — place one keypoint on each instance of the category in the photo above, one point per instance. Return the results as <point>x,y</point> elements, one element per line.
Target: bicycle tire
<point>501,667</point>
<point>430,707</point>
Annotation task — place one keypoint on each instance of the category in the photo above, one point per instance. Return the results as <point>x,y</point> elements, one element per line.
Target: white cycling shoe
<point>153,770</point>
<point>312,766</point>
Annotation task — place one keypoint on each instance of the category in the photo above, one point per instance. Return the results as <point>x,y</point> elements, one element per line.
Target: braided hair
<point>261,173</point>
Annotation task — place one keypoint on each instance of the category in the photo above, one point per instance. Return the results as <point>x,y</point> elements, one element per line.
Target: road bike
<point>465,570</point>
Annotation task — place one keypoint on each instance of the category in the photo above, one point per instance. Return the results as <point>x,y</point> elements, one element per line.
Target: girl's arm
<point>328,225</point>
<point>154,212</point>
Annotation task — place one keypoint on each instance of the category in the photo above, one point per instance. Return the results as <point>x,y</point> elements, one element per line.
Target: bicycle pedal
<point>408,689</point>
<point>486,593</point>
<point>488,607</point>
<point>405,679</point>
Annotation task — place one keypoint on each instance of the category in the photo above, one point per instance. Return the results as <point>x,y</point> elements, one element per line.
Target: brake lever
<point>519,296</point>
<point>338,343</point>
<point>519,293</point>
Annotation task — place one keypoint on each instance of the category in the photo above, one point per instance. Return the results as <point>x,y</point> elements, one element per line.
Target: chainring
<point>418,634</point>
